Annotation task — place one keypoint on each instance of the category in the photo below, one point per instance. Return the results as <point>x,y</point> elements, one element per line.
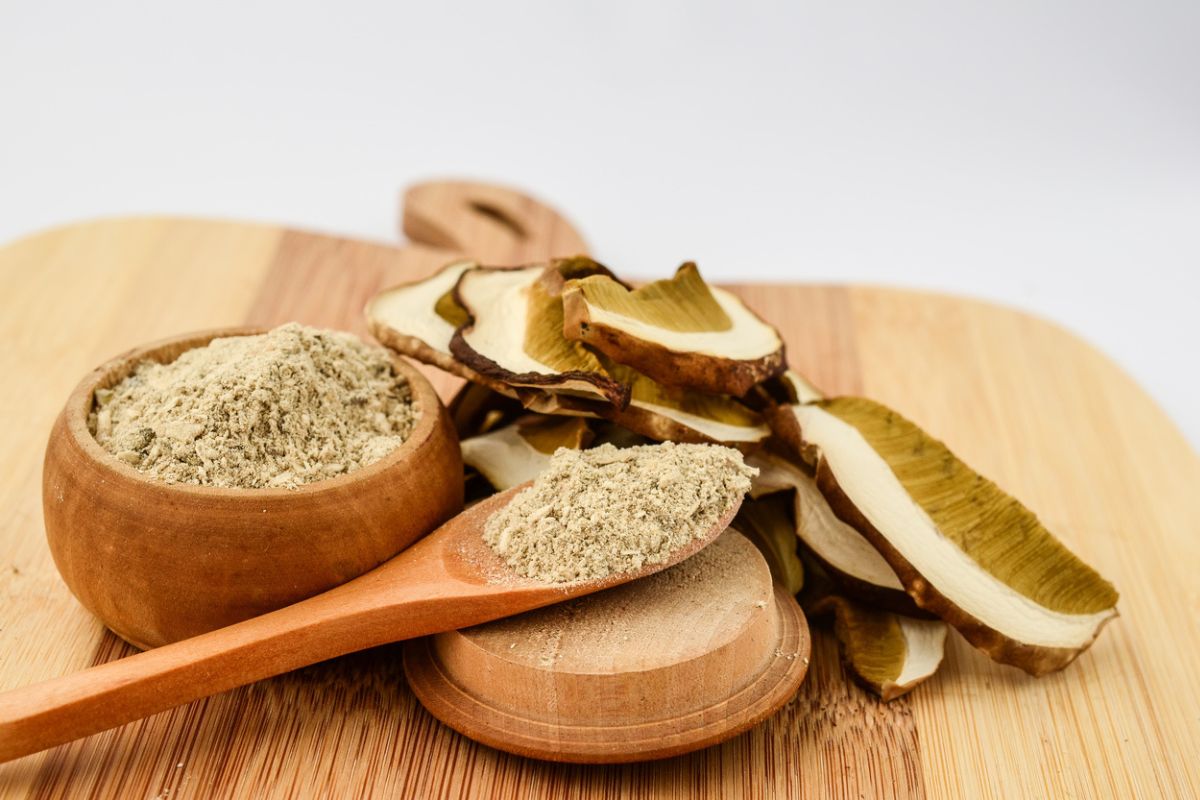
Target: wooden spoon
<point>450,579</point>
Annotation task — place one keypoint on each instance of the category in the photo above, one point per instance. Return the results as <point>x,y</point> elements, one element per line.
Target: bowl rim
<point>81,399</point>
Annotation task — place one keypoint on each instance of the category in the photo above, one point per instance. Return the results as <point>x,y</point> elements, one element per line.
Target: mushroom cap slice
<point>680,332</point>
<point>853,565</point>
<point>513,335</point>
<point>418,319</point>
<point>681,415</point>
<point>888,653</point>
<point>962,548</point>
<point>519,452</point>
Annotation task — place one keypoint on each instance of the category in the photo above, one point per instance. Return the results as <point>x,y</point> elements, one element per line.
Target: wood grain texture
<point>448,579</point>
<point>1028,404</point>
<point>662,666</point>
<point>492,224</point>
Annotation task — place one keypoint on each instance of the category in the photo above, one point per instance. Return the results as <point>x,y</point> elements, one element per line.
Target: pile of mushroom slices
<point>873,522</point>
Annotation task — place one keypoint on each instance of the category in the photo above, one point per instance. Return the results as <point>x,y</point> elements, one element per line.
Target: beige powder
<point>281,409</point>
<point>605,510</point>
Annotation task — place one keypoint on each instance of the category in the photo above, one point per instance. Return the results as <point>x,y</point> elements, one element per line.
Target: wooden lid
<point>661,666</point>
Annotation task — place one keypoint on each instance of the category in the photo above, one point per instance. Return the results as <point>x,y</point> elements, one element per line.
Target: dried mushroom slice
<point>514,335</point>
<point>775,474</point>
<point>681,415</point>
<point>519,452</point>
<point>799,388</point>
<point>575,267</point>
<point>680,332</point>
<point>888,653</point>
<point>418,319</point>
<point>540,401</point>
<point>475,410</point>
<point>769,523</point>
<point>962,548</point>
<point>787,388</point>
<point>853,565</point>
<point>618,436</point>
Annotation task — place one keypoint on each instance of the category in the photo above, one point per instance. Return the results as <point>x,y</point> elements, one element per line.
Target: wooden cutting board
<point>1049,418</point>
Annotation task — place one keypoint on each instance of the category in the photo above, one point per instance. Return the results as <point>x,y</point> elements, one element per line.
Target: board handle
<point>492,224</point>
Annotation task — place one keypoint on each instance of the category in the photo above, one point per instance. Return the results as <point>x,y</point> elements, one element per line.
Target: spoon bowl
<point>159,562</point>
<point>450,579</point>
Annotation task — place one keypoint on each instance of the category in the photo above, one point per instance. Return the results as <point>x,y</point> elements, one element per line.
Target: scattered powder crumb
<point>280,409</point>
<point>595,512</point>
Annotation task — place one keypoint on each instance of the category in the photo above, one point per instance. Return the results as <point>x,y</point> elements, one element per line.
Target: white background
<point>1040,154</point>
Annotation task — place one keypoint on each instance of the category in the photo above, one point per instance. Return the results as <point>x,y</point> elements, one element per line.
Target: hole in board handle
<point>499,216</point>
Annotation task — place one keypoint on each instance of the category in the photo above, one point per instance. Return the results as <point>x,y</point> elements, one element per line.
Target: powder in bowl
<point>276,410</point>
<point>595,512</point>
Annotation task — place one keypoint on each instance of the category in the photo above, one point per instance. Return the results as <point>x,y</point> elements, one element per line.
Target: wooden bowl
<point>159,562</point>
<point>661,666</point>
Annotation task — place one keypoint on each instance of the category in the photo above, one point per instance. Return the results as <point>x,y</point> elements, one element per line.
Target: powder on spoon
<point>280,409</point>
<point>607,510</point>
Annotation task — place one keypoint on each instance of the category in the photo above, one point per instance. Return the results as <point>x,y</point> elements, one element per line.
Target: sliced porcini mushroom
<point>963,549</point>
<point>799,388</point>
<point>769,523</point>
<point>573,268</point>
<point>854,566</point>
<point>775,474</point>
<point>549,402</point>
<point>418,319</point>
<point>516,453</point>
<point>888,653</point>
<point>547,434</point>
<point>679,332</point>
<point>606,432</point>
<point>513,334</point>
<point>787,388</point>
<point>475,409</point>
<point>673,414</point>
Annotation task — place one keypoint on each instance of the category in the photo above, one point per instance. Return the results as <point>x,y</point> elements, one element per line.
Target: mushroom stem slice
<point>680,332</point>
<point>961,547</point>
<point>888,653</point>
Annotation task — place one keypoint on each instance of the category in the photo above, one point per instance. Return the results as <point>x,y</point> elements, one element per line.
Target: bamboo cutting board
<point>1050,419</point>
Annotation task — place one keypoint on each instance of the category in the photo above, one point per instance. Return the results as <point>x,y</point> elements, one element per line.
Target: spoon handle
<point>400,599</point>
